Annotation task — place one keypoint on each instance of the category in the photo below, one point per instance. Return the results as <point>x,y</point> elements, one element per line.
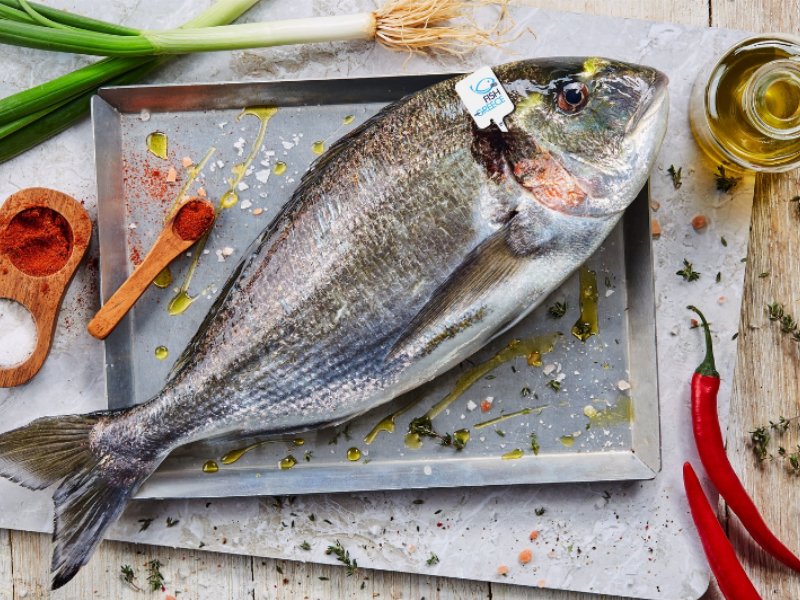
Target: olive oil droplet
<point>587,324</point>
<point>318,147</point>
<point>287,463</point>
<point>461,437</point>
<point>180,303</point>
<point>298,441</point>
<point>348,119</point>
<point>567,440</point>
<point>163,279</point>
<point>513,455</point>
<point>279,168</point>
<point>157,144</point>
<point>229,199</point>
<point>210,466</point>
<point>413,441</point>
<point>353,454</point>
<point>161,352</point>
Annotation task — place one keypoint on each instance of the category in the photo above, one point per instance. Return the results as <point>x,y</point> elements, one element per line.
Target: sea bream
<point>406,247</point>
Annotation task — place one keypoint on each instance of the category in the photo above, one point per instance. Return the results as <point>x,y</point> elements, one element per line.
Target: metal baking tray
<point>594,428</point>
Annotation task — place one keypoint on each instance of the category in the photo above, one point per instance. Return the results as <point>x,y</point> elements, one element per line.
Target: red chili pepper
<point>732,580</point>
<point>711,447</point>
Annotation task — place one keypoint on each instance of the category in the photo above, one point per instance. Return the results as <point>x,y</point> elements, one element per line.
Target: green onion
<point>32,116</point>
<point>400,24</point>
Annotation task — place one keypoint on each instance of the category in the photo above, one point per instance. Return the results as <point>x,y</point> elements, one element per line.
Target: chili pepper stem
<point>707,367</point>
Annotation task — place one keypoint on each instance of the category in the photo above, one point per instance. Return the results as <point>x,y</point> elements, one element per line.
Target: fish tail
<point>88,500</point>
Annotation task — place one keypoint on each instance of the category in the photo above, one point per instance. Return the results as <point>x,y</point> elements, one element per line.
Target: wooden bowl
<point>40,294</point>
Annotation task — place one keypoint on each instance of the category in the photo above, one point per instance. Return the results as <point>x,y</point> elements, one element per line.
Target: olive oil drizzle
<point>387,423</point>
<point>234,455</point>
<point>517,413</point>
<point>587,324</point>
<point>182,300</point>
<point>542,344</point>
<point>621,412</point>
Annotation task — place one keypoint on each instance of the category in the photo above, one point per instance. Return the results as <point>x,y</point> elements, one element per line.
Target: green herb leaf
<point>725,182</point>
<point>433,560</point>
<point>540,511</point>
<point>305,546</point>
<point>554,385</point>
<point>723,241</point>
<point>172,522</point>
<point>557,310</point>
<point>718,278</point>
<point>145,523</point>
<point>687,272</point>
<point>676,176</point>
<point>534,443</point>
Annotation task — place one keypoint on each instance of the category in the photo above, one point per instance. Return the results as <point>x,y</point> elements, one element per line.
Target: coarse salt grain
<point>262,175</point>
<point>144,115</point>
<point>623,385</point>
<point>548,369</point>
<point>471,406</point>
<point>243,186</point>
<point>245,204</point>
<point>227,251</point>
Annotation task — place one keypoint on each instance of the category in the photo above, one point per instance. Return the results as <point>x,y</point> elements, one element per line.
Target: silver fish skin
<point>408,246</point>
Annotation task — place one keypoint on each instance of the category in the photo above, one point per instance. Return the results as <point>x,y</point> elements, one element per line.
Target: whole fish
<point>409,245</point>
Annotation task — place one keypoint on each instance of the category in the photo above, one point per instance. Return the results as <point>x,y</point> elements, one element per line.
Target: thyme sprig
<point>343,556</point>
<point>155,579</point>
<point>789,326</point>
<point>423,427</point>
<point>127,574</point>
<point>761,437</point>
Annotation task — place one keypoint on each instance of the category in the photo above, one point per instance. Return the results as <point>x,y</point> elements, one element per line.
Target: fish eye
<point>572,97</point>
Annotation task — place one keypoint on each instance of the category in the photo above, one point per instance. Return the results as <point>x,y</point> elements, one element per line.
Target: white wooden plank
<point>513,592</point>
<point>194,574</point>
<point>6,581</point>
<point>287,580</point>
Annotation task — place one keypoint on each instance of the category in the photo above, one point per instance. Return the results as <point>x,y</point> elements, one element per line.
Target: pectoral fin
<point>459,302</point>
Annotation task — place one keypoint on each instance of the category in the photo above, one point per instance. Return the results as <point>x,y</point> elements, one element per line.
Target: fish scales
<point>407,246</point>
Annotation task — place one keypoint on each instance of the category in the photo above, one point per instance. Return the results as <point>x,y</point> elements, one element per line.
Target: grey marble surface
<point>631,539</point>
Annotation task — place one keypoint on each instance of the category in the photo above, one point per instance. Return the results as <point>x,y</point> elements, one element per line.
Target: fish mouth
<point>651,103</point>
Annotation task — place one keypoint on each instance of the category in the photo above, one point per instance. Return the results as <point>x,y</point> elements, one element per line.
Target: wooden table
<point>766,385</point>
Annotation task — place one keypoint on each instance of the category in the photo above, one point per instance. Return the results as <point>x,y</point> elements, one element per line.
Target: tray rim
<point>641,461</point>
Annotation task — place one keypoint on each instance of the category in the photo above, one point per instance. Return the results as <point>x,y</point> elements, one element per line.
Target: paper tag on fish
<point>485,99</point>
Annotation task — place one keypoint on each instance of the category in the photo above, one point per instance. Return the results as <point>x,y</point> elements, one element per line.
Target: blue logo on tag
<point>484,85</point>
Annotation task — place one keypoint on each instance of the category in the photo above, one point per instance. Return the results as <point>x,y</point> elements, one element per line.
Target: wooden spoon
<point>40,294</point>
<point>190,222</point>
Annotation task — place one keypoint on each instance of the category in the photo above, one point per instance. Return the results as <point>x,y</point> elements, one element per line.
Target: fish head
<point>585,131</point>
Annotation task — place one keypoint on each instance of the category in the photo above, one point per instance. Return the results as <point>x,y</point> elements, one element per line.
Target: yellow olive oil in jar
<point>745,109</point>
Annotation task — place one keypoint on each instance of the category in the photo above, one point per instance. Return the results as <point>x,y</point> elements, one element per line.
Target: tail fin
<point>88,500</point>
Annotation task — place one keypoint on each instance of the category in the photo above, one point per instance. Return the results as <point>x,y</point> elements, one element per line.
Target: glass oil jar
<point>745,108</point>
